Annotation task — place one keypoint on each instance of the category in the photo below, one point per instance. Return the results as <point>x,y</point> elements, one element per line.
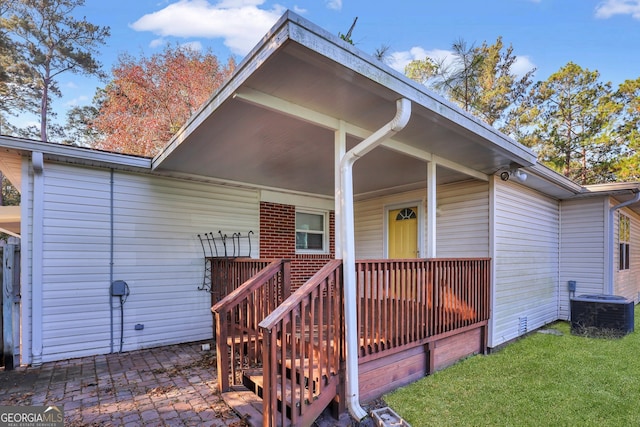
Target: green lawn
<point>540,380</point>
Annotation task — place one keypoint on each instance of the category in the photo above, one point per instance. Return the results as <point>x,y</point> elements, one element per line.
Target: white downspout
<point>37,162</point>
<point>635,199</point>
<point>400,120</point>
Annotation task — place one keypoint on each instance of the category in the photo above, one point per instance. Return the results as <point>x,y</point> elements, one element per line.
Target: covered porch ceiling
<point>274,123</point>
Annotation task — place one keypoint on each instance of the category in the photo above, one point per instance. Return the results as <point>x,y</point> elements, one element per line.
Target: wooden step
<point>246,403</point>
<point>254,381</point>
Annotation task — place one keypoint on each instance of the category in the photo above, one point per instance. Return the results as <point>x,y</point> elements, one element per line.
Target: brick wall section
<point>278,240</point>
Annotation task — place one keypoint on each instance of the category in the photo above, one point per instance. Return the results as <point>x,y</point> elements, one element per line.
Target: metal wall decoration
<point>221,246</point>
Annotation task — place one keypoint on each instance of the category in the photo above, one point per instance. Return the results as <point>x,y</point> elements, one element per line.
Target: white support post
<point>431,210</point>
<point>340,143</point>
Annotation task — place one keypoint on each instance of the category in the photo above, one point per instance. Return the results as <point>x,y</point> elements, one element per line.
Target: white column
<point>431,210</point>
<point>340,144</point>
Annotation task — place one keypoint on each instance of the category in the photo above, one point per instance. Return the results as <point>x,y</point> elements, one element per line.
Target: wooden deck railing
<point>227,274</point>
<point>404,302</point>
<point>238,314</point>
<point>302,350</point>
<point>299,341</point>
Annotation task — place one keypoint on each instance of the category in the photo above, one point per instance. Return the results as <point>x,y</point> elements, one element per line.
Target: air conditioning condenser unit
<point>602,315</point>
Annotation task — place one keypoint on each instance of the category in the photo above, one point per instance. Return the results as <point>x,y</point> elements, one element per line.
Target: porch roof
<point>273,123</point>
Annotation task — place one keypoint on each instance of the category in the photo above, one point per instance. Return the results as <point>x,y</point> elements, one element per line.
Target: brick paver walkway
<point>165,386</point>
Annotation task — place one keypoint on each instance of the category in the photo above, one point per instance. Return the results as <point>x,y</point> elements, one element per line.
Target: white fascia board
<point>554,177</point>
<point>612,188</point>
<point>85,156</point>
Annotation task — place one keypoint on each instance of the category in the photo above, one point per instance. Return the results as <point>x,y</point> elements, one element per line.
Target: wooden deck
<point>414,318</point>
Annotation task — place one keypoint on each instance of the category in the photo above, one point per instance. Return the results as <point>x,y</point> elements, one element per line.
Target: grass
<point>539,380</point>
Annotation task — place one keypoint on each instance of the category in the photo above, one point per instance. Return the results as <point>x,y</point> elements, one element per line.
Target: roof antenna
<point>347,37</point>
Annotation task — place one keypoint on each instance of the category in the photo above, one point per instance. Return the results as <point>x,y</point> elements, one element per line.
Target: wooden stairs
<point>247,399</point>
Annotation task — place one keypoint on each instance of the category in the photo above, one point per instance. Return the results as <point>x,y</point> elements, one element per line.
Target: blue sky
<point>601,35</point>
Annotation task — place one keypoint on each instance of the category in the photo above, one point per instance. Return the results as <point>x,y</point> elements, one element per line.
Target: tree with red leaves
<point>149,99</point>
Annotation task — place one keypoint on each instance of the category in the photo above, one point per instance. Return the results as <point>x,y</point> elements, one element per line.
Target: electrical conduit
<point>403,113</point>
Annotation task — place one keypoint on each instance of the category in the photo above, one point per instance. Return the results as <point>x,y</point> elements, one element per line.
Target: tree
<point>571,119</point>
<point>79,129</point>
<point>51,41</point>
<point>16,77</point>
<point>150,98</point>
<point>424,71</point>
<point>10,196</point>
<point>479,79</point>
<point>628,130</point>
<point>500,90</point>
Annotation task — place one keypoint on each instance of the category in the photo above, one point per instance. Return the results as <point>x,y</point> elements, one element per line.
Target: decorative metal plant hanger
<point>218,246</point>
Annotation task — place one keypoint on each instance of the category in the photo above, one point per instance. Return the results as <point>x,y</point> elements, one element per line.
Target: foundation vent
<point>522,325</point>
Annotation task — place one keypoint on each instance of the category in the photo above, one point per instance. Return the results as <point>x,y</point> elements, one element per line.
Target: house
<point>439,236</point>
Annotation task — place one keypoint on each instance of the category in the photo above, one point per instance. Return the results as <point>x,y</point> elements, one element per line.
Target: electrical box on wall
<point>572,285</point>
<point>118,288</point>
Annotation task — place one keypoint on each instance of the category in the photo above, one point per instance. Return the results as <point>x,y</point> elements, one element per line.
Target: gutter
<point>37,161</point>
<point>400,120</point>
<point>635,199</point>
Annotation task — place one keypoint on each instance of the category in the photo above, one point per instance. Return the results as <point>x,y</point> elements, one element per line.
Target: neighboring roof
<point>620,191</point>
<point>69,154</point>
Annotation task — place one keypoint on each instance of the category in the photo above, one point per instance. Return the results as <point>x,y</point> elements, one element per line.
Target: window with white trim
<point>311,232</point>
<point>624,241</point>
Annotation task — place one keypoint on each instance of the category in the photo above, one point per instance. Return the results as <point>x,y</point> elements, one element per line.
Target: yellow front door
<point>403,233</point>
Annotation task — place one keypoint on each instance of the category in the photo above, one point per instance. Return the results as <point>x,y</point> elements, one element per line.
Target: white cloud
<point>240,23</point>
<point>522,66</point>
<point>399,60</point>
<point>157,43</point>
<point>609,8</point>
<point>334,4</point>
<point>194,46</point>
<point>82,99</point>
<point>299,10</point>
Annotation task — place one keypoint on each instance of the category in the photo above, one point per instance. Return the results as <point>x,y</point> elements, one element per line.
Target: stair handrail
<point>329,354</point>
<point>233,300</point>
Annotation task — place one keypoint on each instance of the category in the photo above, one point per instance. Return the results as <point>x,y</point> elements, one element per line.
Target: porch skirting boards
<point>386,371</point>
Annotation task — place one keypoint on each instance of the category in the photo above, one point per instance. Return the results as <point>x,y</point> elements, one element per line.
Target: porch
<point>281,355</point>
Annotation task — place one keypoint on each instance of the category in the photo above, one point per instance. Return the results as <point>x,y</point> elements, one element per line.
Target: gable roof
<point>273,123</point>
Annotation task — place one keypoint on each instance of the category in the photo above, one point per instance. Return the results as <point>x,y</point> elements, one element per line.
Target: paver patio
<point>164,386</point>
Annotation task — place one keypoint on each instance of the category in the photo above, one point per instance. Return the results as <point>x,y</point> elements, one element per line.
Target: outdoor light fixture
<point>520,175</point>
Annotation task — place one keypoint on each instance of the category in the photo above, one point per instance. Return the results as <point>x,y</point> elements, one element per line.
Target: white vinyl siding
<point>526,261</point>
<point>156,251</point>
<point>462,223</point>
<point>627,282</point>
<point>370,222</point>
<point>582,255</point>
